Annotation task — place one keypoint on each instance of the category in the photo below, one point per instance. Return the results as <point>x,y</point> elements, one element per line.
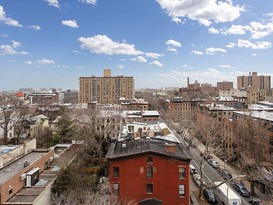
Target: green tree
<point>64,132</point>
<point>66,181</point>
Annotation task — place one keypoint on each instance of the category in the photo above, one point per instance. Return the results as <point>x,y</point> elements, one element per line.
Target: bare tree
<point>8,115</point>
<point>95,130</point>
<point>252,144</point>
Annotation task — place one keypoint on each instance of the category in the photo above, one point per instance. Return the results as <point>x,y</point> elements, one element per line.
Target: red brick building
<point>149,171</point>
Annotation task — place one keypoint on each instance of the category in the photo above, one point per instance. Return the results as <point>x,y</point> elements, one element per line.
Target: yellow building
<point>106,89</point>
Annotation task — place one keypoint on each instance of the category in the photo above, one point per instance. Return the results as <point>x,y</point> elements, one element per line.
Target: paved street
<point>211,175</point>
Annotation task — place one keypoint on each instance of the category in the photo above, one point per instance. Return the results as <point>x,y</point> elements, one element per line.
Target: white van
<point>192,169</point>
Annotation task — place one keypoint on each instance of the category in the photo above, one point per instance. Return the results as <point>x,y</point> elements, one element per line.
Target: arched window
<point>149,159</point>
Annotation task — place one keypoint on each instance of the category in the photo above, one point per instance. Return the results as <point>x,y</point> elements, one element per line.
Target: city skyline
<point>51,43</point>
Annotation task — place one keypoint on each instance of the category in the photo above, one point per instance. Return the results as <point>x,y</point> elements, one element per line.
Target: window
<point>149,172</point>
<point>149,188</point>
<point>182,190</point>
<point>182,173</point>
<point>149,159</point>
<point>115,171</point>
<point>10,191</point>
<point>116,189</point>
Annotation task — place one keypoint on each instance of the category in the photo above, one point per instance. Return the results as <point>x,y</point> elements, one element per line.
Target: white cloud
<point>7,50</point>
<point>45,61</point>
<point>213,30</point>
<point>176,20</point>
<point>225,66</point>
<point>256,29</point>
<point>203,11</point>
<point>153,55</point>
<point>259,30</point>
<point>173,43</point>
<point>54,3</point>
<point>212,50</point>
<point>93,2</point>
<point>156,63</point>
<point>258,45</point>
<point>103,44</point>
<point>12,61</point>
<point>28,62</point>
<point>197,52</point>
<point>11,49</point>
<point>6,20</point>
<point>139,59</point>
<point>15,44</point>
<point>121,67</point>
<point>70,23</point>
<point>172,49</point>
<point>230,45</point>
<point>35,27</point>
<point>237,29</point>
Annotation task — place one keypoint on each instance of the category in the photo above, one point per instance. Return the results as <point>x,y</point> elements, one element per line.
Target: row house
<point>149,171</point>
<point>179,105</point>
<point>263,142</point>
<point>134,104</point>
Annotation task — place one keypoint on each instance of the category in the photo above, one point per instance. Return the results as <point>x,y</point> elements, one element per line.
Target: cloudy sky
<point>51,43</point>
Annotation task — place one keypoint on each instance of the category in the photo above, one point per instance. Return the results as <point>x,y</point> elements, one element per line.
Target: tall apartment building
<point>225,85</point>
<point>255,81</point>
<point>106,89</point>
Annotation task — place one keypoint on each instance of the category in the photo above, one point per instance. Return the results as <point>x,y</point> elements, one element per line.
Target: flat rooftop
<point>30,194</point>
<point>15,167</point>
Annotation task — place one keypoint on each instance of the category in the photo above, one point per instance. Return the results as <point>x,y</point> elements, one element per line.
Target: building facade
<point>225,85</point>
<point>254,96</point>
<point>255,81</point>
<point>143,171</point>
<point>106,89</point>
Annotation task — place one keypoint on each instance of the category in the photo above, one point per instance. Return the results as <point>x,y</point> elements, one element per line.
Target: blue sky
<point>51,43</point>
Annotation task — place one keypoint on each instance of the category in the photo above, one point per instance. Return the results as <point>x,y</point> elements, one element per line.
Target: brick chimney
<point>170,148</point>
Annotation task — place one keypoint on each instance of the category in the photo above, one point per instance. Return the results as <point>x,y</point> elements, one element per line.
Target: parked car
<point>192,169</point>
<point>255,201</point>
<point>209,195</point>
<point>213,163</point>
<point>197,179</point>
<point>225,174</point>
<point>241,189</point>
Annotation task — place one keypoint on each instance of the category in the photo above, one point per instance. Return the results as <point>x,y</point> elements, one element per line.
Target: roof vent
<point>26,163</point>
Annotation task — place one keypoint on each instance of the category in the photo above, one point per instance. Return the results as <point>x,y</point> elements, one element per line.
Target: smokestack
<point>188,81</point>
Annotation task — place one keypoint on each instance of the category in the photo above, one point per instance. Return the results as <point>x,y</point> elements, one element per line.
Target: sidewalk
<point>265,200</point>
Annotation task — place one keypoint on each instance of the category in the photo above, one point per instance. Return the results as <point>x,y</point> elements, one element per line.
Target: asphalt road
<point>210,174</point>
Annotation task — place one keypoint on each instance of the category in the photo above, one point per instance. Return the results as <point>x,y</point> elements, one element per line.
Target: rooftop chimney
<point>170,148</point>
